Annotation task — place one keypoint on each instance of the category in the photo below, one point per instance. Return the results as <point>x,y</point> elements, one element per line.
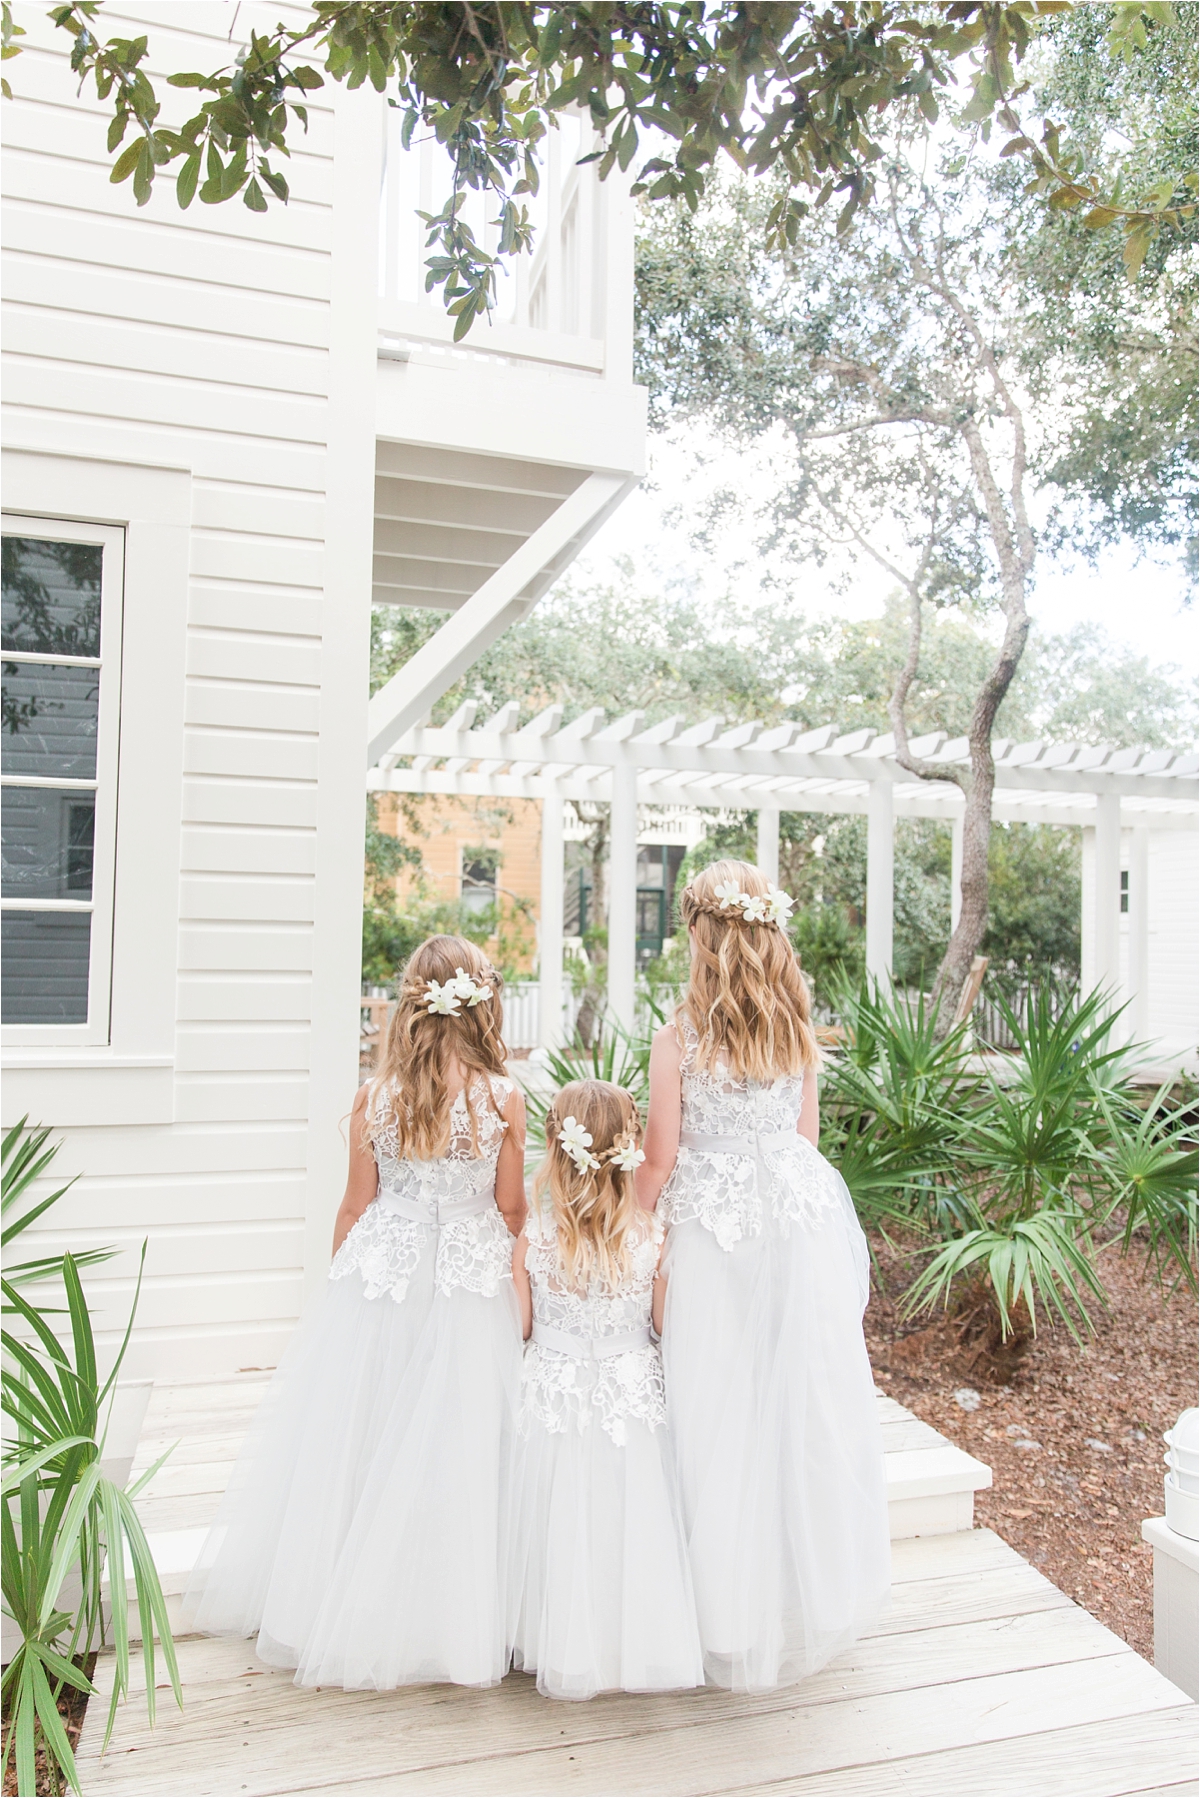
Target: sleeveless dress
<point>359,1537</point>
<point>770,1394</point>
<point>601,1593</point>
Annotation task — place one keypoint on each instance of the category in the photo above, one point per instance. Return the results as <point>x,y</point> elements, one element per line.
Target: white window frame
<point>111,538</point>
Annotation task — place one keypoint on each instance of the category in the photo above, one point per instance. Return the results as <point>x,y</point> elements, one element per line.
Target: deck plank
<point>1096,1760</point>
<point>980,1667</point>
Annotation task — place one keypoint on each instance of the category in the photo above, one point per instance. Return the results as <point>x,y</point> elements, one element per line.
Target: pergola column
<point>767,850</point>
<point>550,924</point>
<point>1139,933</point>
<point>880,857</point>
<point>1106,898</point>
<point>956,865</point>
<point>622,896</point>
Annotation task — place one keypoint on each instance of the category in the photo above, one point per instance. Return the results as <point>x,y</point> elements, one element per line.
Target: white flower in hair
<point>576,1142</point>
<point>627,1157</point>
<point>729,893</point>
<point>466,988</point>
<point>444,1000</point>
<point>780,905</point>
<point>754,908</point>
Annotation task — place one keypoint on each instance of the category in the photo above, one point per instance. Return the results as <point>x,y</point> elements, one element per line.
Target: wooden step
<point>931,1483</point>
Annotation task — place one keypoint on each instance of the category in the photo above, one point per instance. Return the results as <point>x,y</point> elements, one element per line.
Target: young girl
<point>360,1536</point>
<point>770,1395</point>
<point>602,1600</point>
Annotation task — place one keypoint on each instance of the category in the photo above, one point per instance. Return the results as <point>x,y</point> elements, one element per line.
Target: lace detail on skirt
<point>560,1391</point>
<point>474,1253</point>
<point>805,1187</point>
<point>385,1250</point>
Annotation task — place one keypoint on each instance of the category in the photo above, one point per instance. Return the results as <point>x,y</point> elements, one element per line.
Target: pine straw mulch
<point>72,1708</point>
<point>1073,1437</point>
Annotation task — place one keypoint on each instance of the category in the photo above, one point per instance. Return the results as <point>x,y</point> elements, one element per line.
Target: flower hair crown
<point>772,907</point>
<point>576,1143</point>
<point>448,997</point>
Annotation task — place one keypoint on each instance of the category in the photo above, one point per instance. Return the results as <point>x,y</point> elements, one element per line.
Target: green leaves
<point>709,77</point>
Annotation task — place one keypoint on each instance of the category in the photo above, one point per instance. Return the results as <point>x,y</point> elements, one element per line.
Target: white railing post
<point>550,923</point>
<point>622,896</point>
<point>767,850</point>
<point>880,859</point>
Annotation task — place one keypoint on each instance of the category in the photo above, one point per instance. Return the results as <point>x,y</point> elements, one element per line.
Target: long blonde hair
<point>412,1086</point>
<point>594,1207</point>
<point>746,999</point>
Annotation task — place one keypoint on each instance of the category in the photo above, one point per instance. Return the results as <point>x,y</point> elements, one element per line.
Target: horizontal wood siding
<point>1174,946</point>
<point>199,340</point>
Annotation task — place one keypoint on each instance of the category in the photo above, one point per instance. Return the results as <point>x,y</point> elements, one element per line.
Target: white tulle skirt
<point>360,1538</point>
<point>774,1420</point>
<point>601,1591</point>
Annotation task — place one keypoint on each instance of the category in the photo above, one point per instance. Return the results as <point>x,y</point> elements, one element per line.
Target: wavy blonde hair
<point>411,1086</point>
<point>746,997</point>
<point>594,1208</point>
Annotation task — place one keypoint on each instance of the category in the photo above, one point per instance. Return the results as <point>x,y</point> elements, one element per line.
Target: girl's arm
<point>658,1298</point>
<point>510,1168</point>
<point>810,1110</point>
<point>661,1142</point>
<point>520,1274</point>
<point>362,1181</point>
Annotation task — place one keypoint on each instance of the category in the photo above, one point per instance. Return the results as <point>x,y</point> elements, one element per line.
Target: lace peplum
<point>560,1391</point>
<point>725,1191</point>
<point>444,1202</point>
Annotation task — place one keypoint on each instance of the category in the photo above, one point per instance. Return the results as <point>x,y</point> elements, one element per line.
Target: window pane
<point>48,842</point>
<point>50,720</point>
<point>51,596</point>
<point>45,966</point>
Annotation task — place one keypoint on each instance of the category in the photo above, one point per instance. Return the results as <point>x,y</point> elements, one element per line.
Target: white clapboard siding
<point>198,339</point>
<point>1174,943</point>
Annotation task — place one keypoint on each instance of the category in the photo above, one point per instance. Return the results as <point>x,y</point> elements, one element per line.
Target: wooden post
<point>880,862</point>
<point>767,852</point>
<point>550,923</point>
<point>1139,933</point>
<point>622,896</point>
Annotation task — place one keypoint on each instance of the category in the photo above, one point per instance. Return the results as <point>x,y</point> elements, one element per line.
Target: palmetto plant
<point>885,1100</point>
<point>1046,1158</point>
<point>62,1519</point>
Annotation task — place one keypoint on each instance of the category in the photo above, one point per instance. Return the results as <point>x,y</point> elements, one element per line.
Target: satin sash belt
<point>432,1213</point>
<point>738,1145</point>
<point>590,1348</point>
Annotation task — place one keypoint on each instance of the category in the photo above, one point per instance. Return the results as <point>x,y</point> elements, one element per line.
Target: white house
<point>220,430</point>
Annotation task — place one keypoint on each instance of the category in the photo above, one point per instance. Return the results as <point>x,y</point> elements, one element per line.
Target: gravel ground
<point>1073,1438</point>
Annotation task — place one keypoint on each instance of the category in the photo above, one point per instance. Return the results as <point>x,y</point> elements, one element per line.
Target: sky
<point>1138,602</point>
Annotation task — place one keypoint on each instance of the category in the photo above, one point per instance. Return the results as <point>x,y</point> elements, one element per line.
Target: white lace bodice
<point>725,1189</point>
<point>562,1390</point>
<point>449,1202</point>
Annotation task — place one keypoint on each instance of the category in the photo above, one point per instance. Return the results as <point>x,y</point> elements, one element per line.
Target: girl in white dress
<point>361,1534</point>
<point>770,1395</point>
<point>601,1596</point>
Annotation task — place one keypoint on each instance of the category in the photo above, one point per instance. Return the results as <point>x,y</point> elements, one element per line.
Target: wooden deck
<point>982,1678</point>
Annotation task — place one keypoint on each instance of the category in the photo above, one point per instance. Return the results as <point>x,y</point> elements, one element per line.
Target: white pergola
<point>788,768</point>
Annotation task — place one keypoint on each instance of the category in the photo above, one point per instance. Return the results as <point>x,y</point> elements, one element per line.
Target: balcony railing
<point>568,303</point>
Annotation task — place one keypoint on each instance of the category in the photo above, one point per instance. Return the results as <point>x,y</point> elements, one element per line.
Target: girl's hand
<point>661,1142</point>
<point>362,1180</point>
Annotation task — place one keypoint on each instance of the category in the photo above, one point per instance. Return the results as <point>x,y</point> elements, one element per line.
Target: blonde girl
<point>770,1395</point>
<point>601,1598</point>
<point>361,1538</point>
